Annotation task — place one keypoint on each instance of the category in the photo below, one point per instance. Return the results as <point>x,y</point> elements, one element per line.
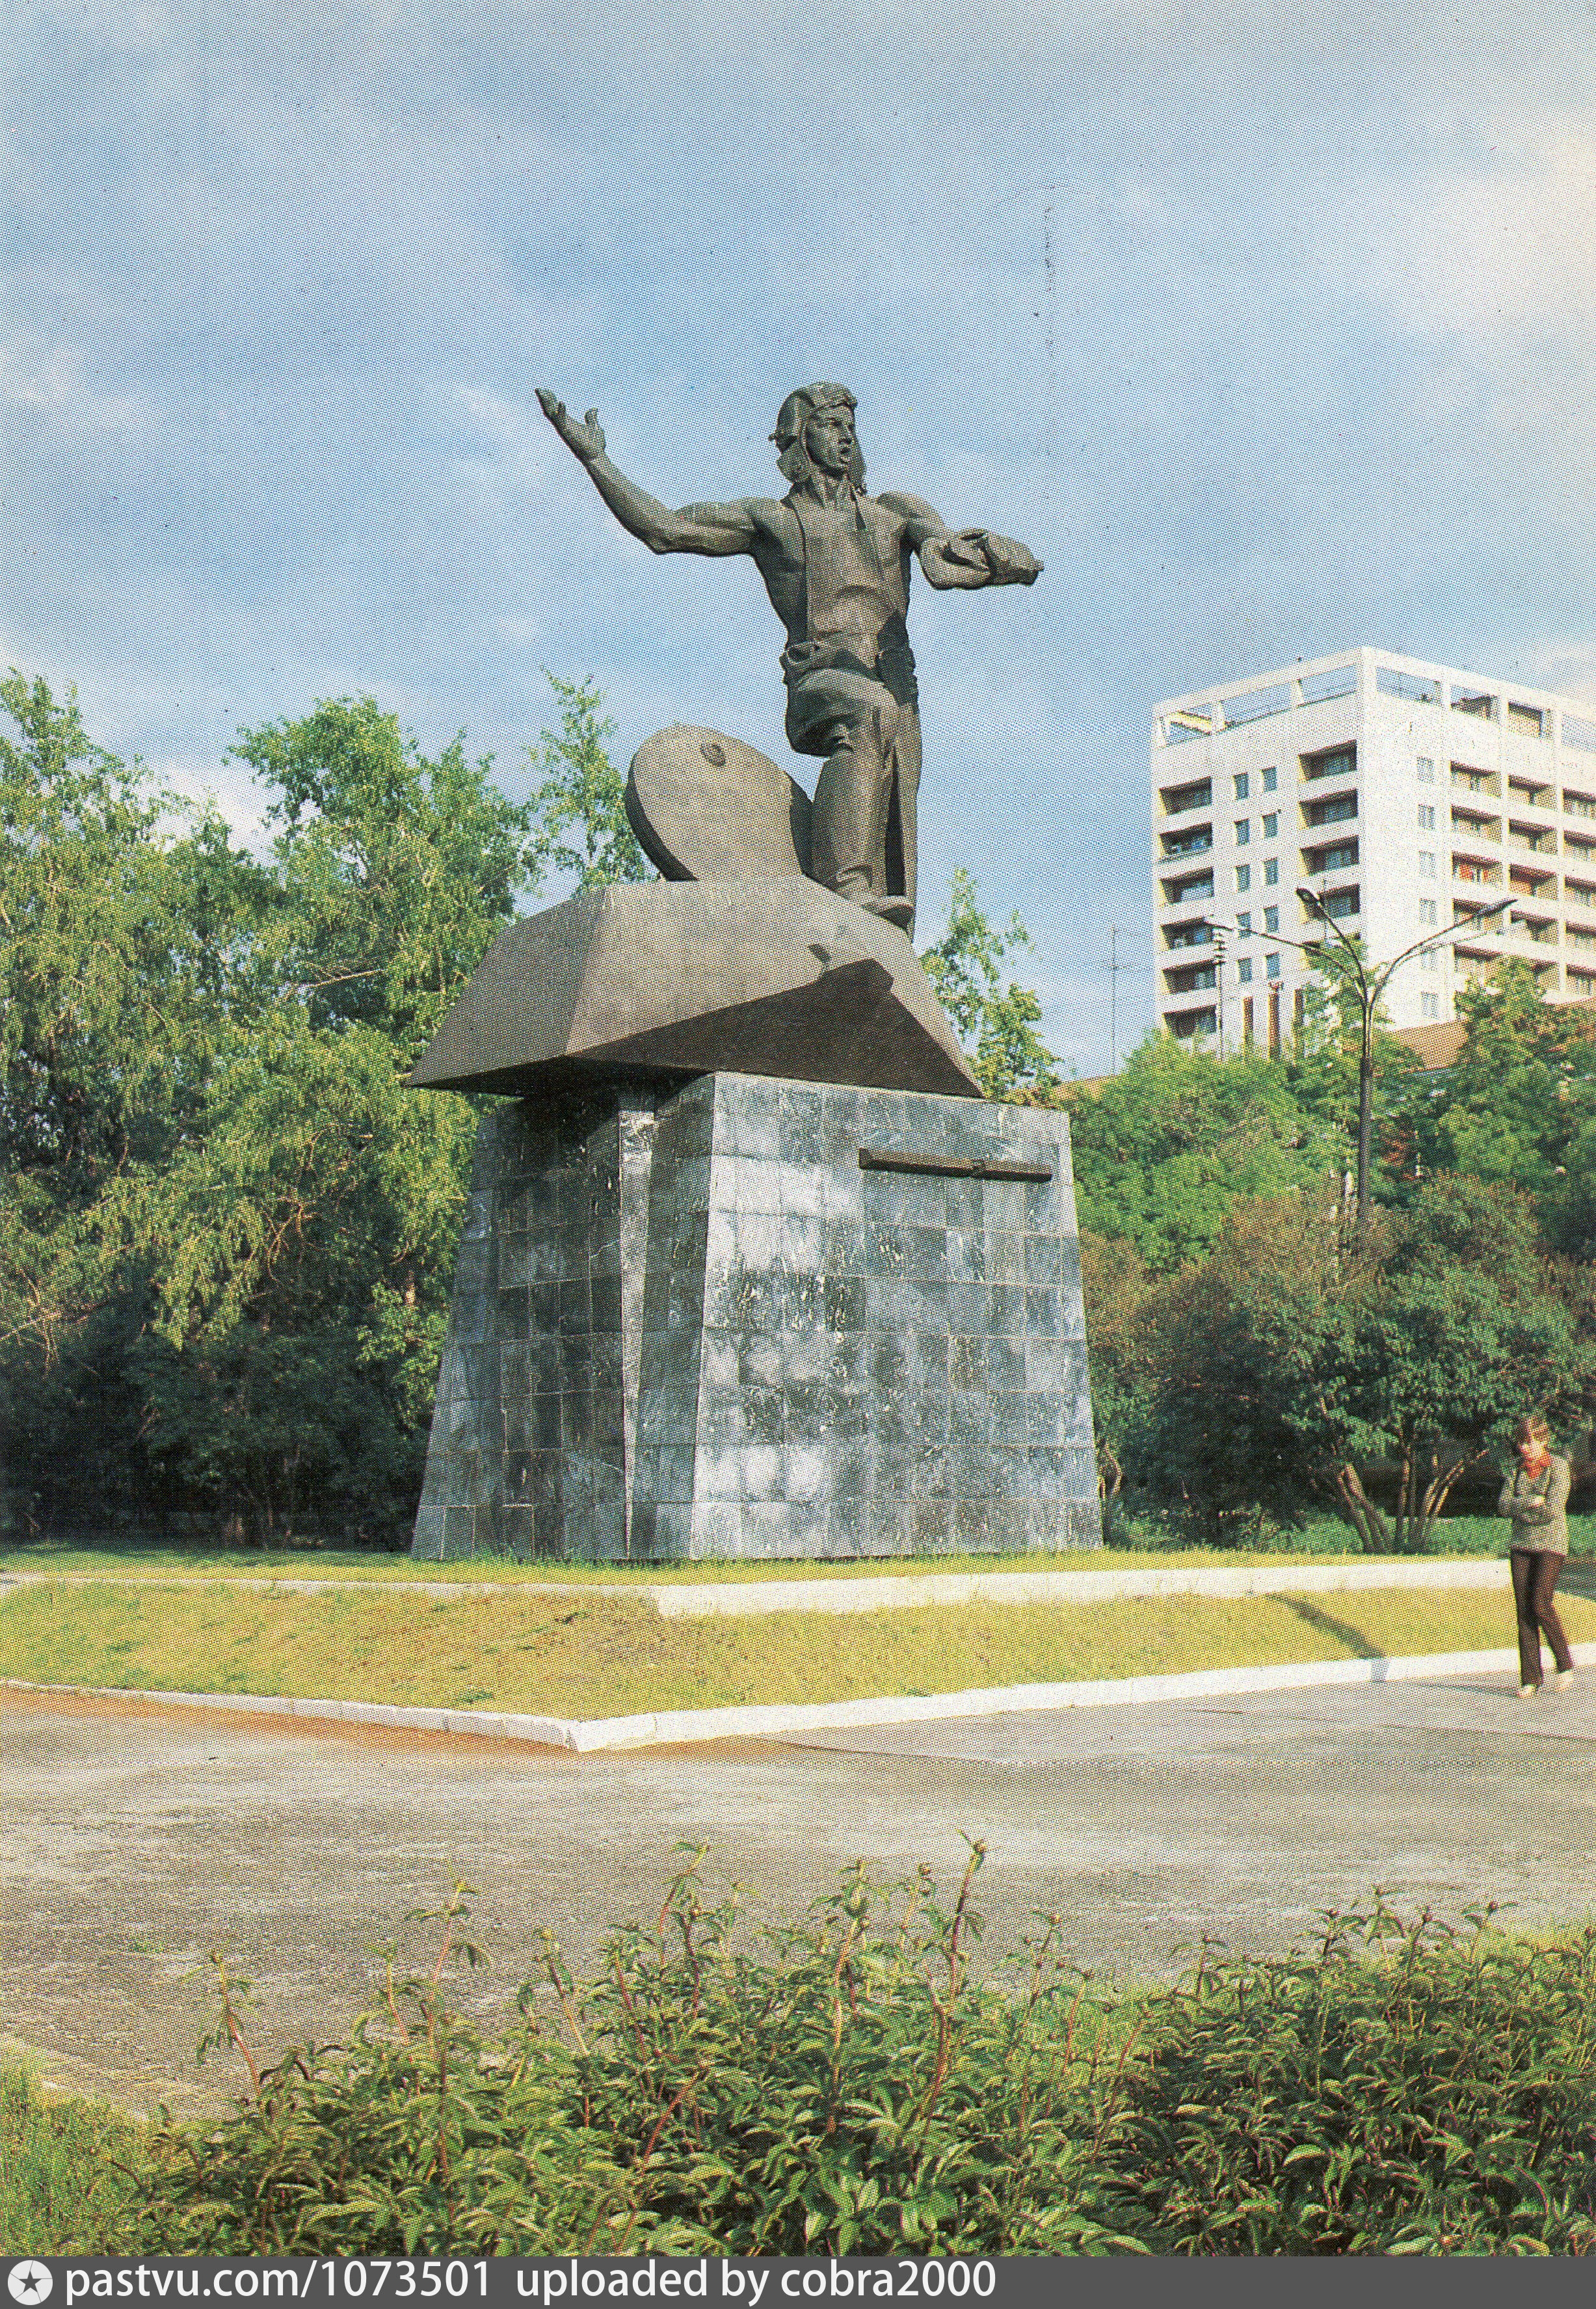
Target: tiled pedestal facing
<point>756,1318</point>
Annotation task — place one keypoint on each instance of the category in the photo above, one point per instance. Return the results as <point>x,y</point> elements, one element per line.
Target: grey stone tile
<point>761,1471</point>
<point>717,1528</point>
<point>967,1361</point>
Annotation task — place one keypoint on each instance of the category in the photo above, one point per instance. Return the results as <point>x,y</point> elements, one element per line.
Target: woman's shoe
<point>1562,1679</point>
<point>1528,1691</point>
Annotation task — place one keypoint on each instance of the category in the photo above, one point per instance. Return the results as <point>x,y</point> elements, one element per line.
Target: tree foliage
<point>1163,1149</point>
<point>1272,1374</point>
<point>228,1226</point>
<point>995,1019</point>
<point>578,805</point>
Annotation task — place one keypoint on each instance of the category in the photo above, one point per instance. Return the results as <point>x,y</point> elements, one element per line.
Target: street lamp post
<point>1369,991</point>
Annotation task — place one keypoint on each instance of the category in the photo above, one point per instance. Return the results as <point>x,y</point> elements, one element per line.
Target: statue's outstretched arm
<point>695,529</point>
<point>964,558</point>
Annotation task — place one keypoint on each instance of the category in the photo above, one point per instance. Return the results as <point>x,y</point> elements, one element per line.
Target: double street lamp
<point>1370,985</point>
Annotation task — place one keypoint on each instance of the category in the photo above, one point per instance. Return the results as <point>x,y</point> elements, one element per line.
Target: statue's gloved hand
<point>584,440</point>
<point>1007,562</point>
<point>961,549</point>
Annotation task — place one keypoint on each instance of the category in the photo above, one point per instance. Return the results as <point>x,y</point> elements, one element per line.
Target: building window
<point>1426,863</point>
<point>1271,872</point>
<point>1244,830</point>
<point>1430,1005</point>
<point>1427,770</point>
<point>1241,785</point>
<point>1339,904</point>
<point>1273,966</point>
<point>1426,817</point>
<point>1271,825</point>
<point>1244,877</point>
<point>1429,914</point>
<point>1271,780</point>
<point>1430,961</point>
<point>1244,970</point>
<point>1244,926</point>
<point>1272,918</point>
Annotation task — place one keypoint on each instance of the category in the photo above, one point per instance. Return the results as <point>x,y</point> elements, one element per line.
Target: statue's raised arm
<point>695,529</point>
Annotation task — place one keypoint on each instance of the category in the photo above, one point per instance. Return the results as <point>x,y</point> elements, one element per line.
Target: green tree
<point>1115,1285</point>
<point>126,918</point>
<point>227,1224</point>
<point>995,1019</point>
<point>1289,1361</point>
<point>300,1243</point>
<point>1452,1328</point>
<point>578,808</point>
<point>1519,1102</point>
<point>1163,1149</point>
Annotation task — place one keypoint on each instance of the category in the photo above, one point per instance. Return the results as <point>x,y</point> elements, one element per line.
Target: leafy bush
<point>845,2085</point>
<point>1437,2100</point>
<point>842,2087</point>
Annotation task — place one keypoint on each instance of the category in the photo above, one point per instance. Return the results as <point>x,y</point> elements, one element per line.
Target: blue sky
<point>1271,332</point>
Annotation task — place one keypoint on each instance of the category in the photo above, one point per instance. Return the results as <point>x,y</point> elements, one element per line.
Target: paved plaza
<point>137,1839</point>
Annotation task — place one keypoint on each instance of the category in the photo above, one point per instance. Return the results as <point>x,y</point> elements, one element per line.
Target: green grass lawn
<point>584,1655</point>
<point>66,2169</point>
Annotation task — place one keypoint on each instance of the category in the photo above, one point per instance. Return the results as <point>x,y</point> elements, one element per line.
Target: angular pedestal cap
<point>775,977</point>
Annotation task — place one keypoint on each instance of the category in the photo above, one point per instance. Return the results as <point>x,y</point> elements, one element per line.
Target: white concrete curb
<point>692,1726</point>
<point>900,1591</point>
<point>734,1598</point>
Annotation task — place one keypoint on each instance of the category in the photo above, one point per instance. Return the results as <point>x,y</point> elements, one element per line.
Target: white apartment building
<point>1406,798</point>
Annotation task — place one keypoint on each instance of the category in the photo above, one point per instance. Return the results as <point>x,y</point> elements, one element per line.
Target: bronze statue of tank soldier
<point>835,563</point>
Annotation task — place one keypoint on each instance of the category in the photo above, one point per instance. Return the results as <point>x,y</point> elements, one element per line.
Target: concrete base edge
<point>691,1727</point>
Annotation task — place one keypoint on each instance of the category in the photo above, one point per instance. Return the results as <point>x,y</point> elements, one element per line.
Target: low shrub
<point>1405,2089</point>
<point>845,2085</point>
<point>842,2087</point>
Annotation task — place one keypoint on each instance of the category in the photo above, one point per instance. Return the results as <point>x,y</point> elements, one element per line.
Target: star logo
<point>28,2282</point>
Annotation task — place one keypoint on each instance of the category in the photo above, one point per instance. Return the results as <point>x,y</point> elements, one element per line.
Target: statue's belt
<point>893,666</point>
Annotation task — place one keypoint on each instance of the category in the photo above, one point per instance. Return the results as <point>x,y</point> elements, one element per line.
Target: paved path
<point>134,1839</point>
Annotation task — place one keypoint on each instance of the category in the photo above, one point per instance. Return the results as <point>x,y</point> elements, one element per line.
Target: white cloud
<point>52,385</point>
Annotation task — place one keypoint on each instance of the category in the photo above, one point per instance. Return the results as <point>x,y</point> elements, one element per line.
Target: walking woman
<point>1536,1496</point>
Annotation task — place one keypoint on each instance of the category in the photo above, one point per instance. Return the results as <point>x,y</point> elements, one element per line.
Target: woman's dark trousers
<point>1534,1582</point>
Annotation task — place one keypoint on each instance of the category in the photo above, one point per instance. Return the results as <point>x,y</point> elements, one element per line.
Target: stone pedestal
<point>747,1317</point>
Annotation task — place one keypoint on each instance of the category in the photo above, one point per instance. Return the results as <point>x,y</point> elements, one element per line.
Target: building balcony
<point>1186,1024</point>
<point>1475,825</point>
<point>1179,801</point>
<point>1189,890</point>
<point>1332,809</point>
<point>1199,978</point>
<point>1334,761</point>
